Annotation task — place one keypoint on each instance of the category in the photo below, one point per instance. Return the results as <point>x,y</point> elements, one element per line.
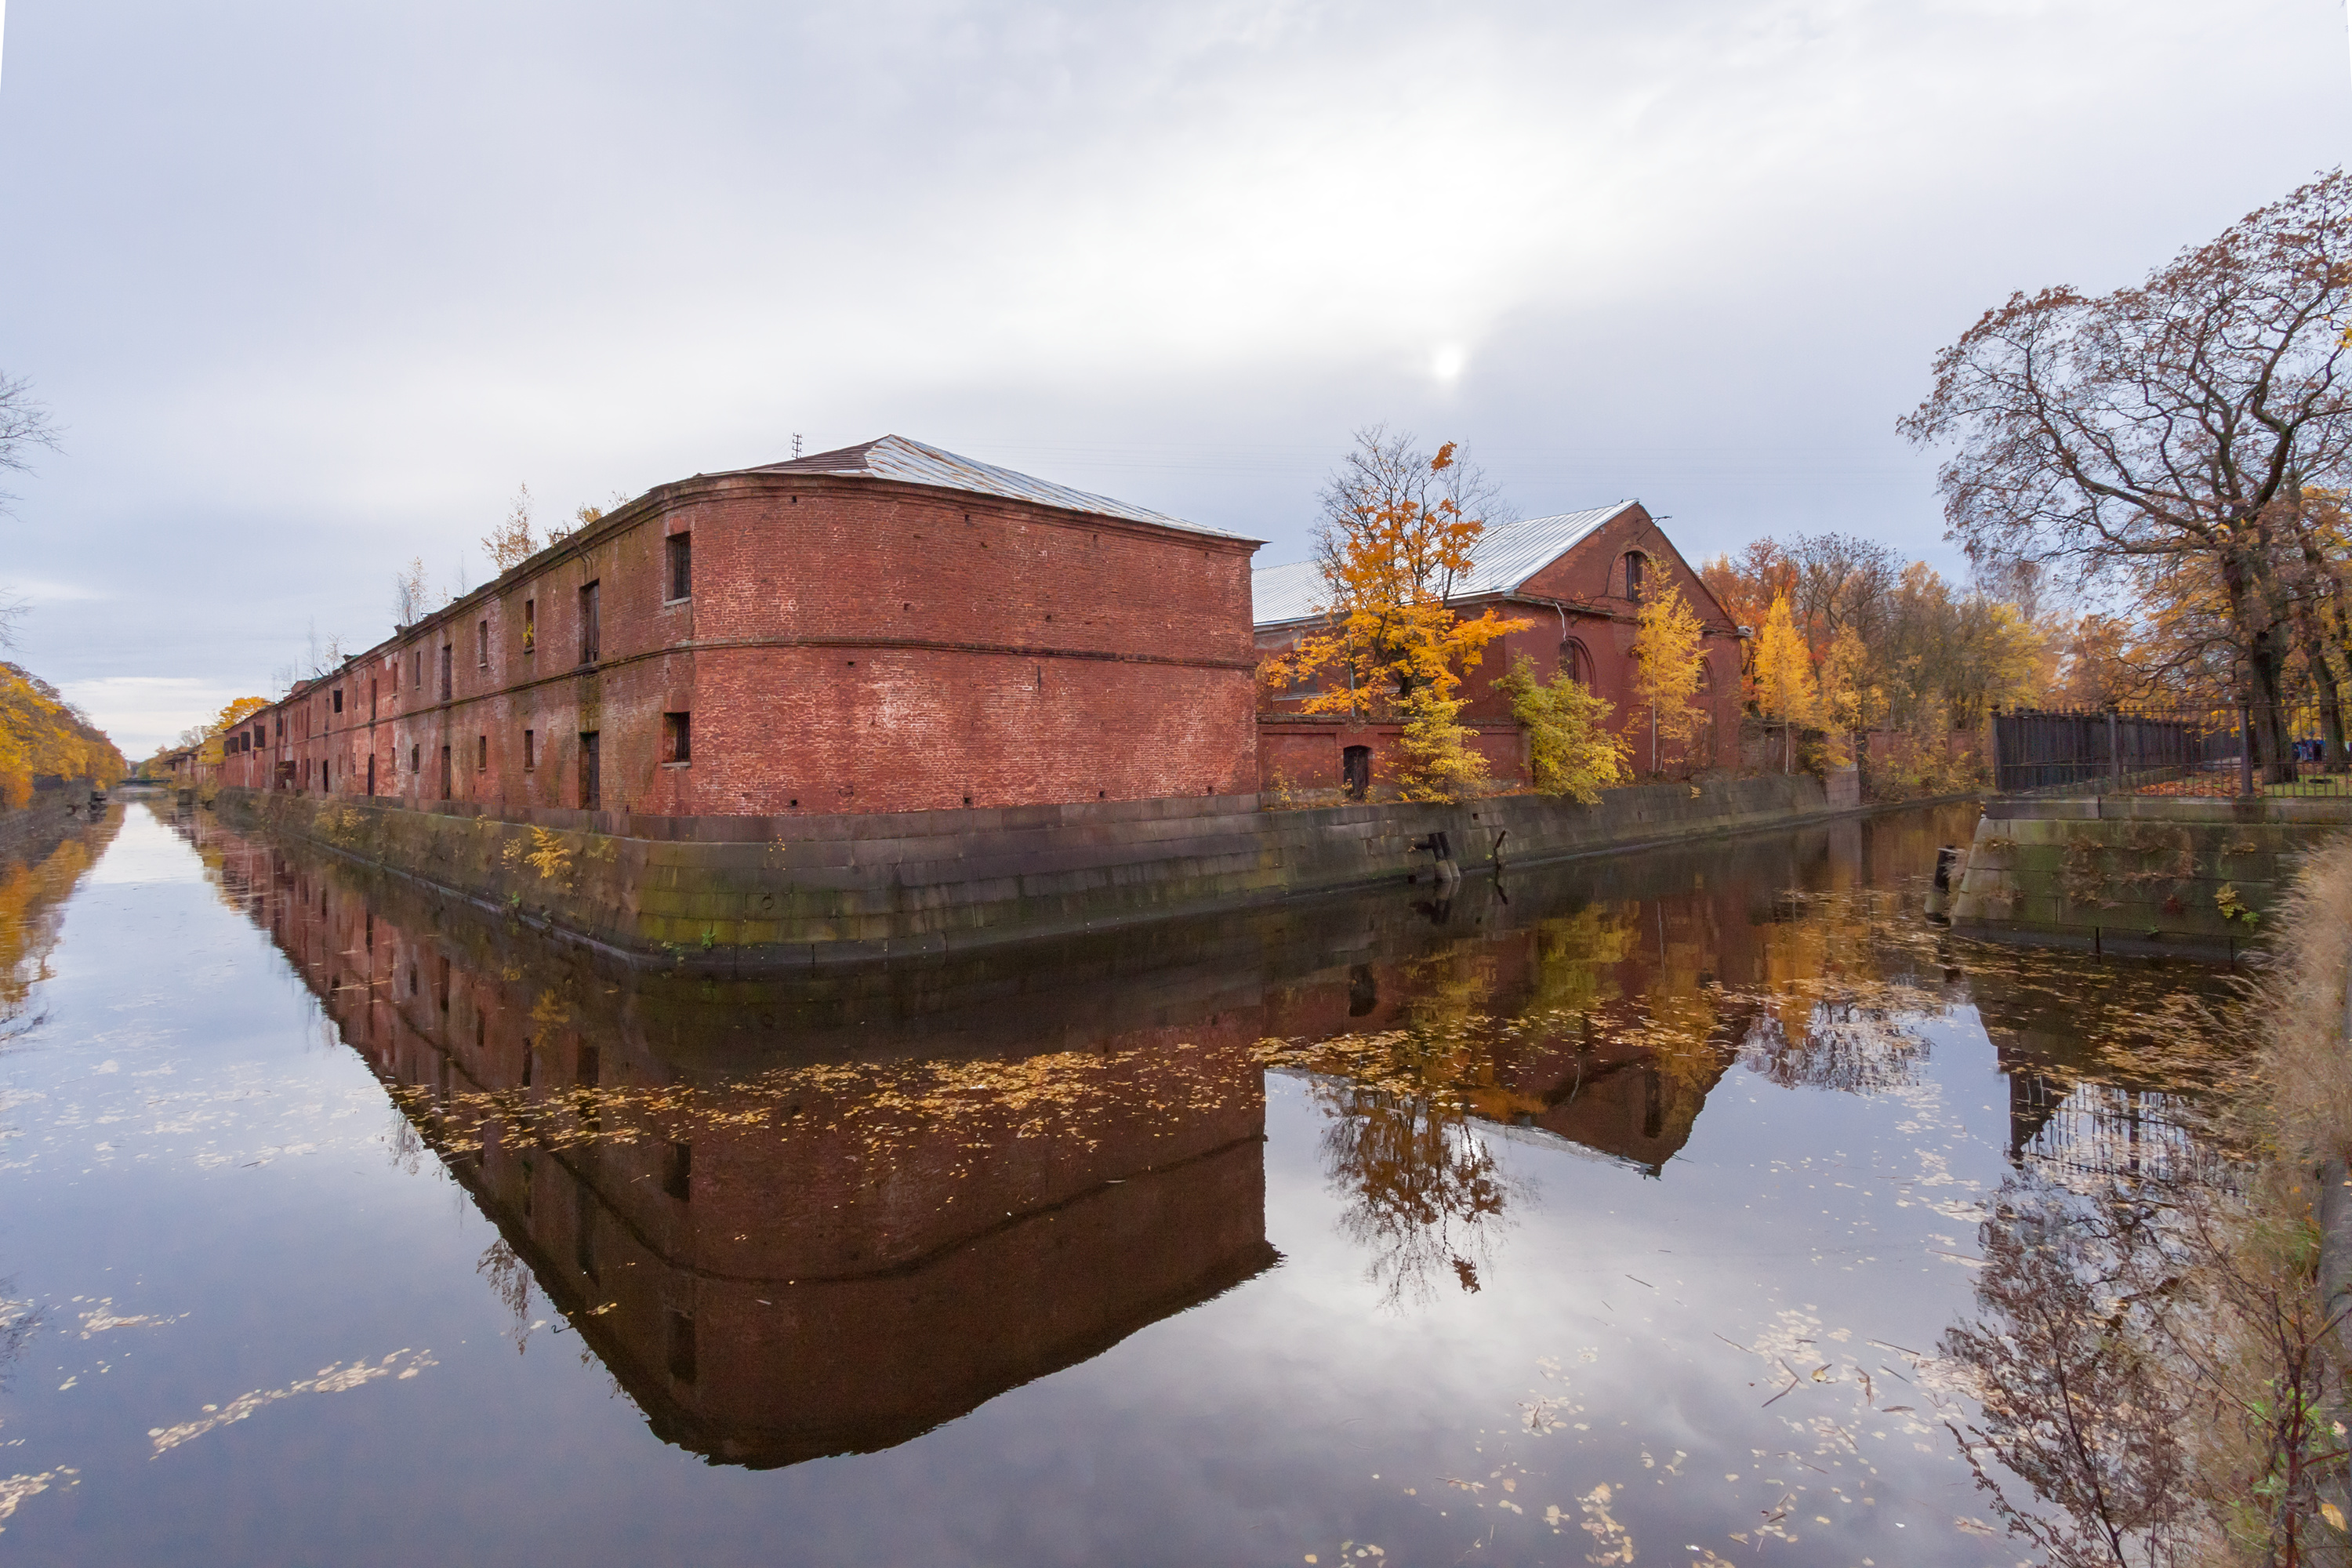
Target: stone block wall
<point>804,889</point>
<point>2200,877</point>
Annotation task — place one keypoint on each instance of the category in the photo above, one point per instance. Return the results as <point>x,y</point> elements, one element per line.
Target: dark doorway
<point>444,773</point>
<point>370,772</point>
<point>1356,771</point>
<point>592,782</point>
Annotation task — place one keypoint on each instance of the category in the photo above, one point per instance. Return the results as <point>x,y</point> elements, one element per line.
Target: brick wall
<point>849,644</point>
<point>1588,606</point>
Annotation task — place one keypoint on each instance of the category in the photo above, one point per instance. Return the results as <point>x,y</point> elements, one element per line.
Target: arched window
<point>1636,569</point>
<point>1706,677</point>
<point>1576,663</point>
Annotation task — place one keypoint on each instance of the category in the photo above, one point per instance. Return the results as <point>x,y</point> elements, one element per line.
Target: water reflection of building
<point>781,1286</point>
<point>774,1271</point>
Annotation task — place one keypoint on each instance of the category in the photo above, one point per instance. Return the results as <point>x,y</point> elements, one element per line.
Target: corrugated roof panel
<point>914,463</point>
<point>1289,593</point>
<point>1507,555</point>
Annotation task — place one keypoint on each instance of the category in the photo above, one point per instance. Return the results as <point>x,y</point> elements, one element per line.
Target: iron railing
<point>2289,750</point>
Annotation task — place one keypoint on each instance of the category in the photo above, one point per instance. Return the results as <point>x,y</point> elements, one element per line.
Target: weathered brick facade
<point>832,636</point>
<point>1578,605</point>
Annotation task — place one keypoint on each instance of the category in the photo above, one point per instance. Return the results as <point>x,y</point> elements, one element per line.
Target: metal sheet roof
<point>1507,555</point>
<point>914,463</point>
<point>1289,593</point>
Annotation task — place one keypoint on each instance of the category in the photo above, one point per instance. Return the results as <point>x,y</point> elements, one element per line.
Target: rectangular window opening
<point>591,641</point>
<point>678,738</point>
<point>530,755</point>
<point>482,645</point>
<point>530,624</point>
<point>677,1172</point>
<point>482,753</point>
<point>681,565</point>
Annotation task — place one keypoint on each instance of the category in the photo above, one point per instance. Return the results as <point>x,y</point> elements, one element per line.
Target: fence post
<point>1994,724</point>
<point>2245,747</point>
<point>2114,752</point>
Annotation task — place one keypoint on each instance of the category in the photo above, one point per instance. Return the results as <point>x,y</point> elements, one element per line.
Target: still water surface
<point>1615,1212</point>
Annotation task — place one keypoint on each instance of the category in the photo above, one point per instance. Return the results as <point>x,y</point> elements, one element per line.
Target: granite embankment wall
<point>808,889</point>
<point>2133,874</point>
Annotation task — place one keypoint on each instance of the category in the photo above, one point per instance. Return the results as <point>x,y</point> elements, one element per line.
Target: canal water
<point>1610,1212</point>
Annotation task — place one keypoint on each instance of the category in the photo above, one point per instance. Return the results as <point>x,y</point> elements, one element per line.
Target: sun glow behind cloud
<point>1699,252</point>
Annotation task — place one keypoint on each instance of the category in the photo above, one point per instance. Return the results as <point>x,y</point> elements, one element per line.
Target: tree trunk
<point>2321,621</point>
<point>2322,677</point>
<point>2263,651</point>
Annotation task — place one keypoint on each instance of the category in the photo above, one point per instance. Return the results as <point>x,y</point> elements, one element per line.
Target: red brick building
<point>885,627</point>
<point>1577,579</point>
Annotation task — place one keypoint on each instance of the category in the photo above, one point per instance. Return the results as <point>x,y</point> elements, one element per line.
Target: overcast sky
<point>313,286</point>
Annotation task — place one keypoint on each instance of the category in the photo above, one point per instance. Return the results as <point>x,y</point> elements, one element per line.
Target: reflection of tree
<point>20,1321</point>
<point>31,903</point>
<point>2073,1306</point>
<point>510,1283</point>
<point>1423,1191</point>
<point>1845,1045</point>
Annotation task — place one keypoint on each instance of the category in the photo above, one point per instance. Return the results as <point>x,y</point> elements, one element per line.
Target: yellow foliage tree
<point>1666,664</point>
<point>1392,648</point>
<point>1850,699</point>
<point>41,736</point>
<point>1785,688</point>
<point>1570,749</point>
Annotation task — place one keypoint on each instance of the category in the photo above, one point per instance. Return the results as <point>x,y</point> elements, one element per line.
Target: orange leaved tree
<point>1398,530</point>
<point>44,736</point>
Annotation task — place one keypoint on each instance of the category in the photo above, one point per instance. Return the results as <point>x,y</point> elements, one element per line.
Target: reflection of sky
<point>248,1181</point>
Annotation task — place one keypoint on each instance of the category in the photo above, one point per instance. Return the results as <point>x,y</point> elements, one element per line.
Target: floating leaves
<point>335,1378</point>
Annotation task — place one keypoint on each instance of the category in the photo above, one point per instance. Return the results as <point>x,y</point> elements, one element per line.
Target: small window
<point>415,758</point>
<point>530,753</point>
<point>482,645</point>
<point>1636,569</point>
<point>678,738</point>
<point>417,667</point>
<point>446,653</point>
<point>590,639</point>
<point>681,565</point>
<point>530,624</point>
<point>339,699</point>
<point>482,753</point>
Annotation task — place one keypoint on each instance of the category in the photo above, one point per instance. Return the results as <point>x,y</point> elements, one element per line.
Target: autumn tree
<point>2171,420</point>
<point>44,736</point>
<point>1570,749</point>
<point>1667,662</point>
<point>410,593</point>
<point>24,425</point>
<point>510,543</point>
<point>1785,688</point>
<point>1398,530</point>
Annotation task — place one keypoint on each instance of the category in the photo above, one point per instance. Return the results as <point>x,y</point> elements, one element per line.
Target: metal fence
<point>2283,750</point>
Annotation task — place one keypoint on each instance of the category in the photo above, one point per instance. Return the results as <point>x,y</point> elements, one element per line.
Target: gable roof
<point>914,463</point>
<point>1504,557</point>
